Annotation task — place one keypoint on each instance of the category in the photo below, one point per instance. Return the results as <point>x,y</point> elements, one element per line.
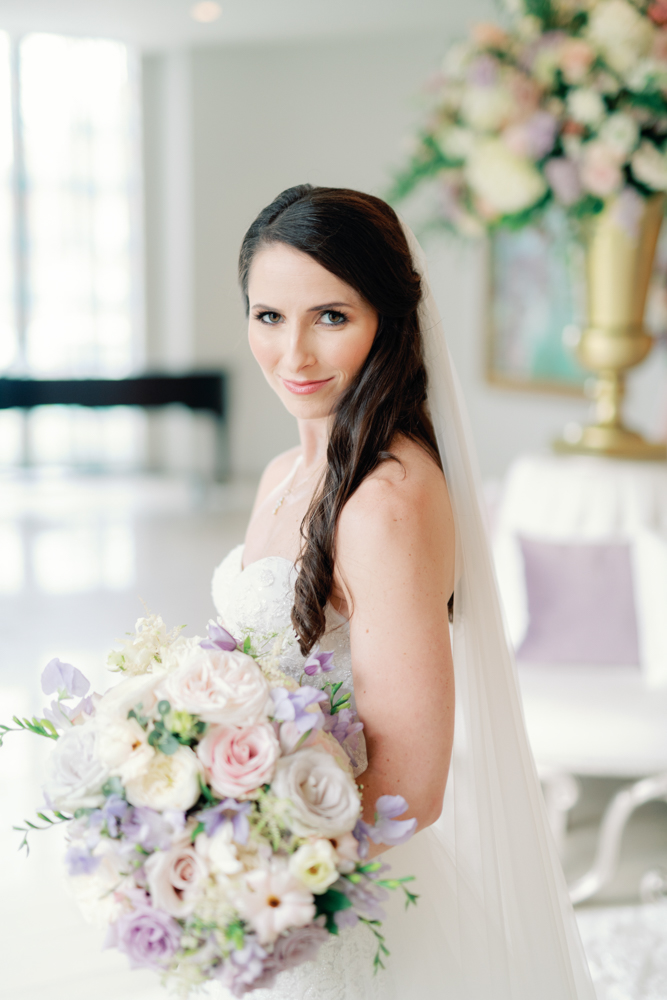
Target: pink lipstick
<point>304,388</point>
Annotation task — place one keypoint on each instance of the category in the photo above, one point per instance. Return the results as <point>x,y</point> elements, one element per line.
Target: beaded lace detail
<point>259,599</point>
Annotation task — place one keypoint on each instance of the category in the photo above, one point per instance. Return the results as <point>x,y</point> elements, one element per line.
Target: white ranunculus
<point>314,864</point>
<point>123,748</point>
<point>505,181</point>
<point>324,799</point>
<point>621,133</point>
<point>171,781</point>
<point>620,32</point>
<point>586,106</point>
<point>456,143</point>
<point>220,850</point>
<point>649,166</point>
<point>129,693</point>
<point>74,772</point>
<point>221,687</point>
<point>486,109</point>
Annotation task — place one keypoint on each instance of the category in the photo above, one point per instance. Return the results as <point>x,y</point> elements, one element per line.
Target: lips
<point>305,388</point>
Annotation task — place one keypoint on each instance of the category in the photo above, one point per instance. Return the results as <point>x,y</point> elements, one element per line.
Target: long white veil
<point>494,921</point>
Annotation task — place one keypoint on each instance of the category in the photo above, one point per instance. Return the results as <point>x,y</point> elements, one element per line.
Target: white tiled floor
<point>75,558</point>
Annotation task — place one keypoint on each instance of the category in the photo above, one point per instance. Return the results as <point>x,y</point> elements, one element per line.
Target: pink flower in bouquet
<point>563,176</point>
<point>323,797</point>
<point>488,35</point>
<point>273,901</point>
<point>238,760</point>
<point>533,137</point>
<point>600,170</point>
<point>174,877</point>
<point>575,57</point>
<point>219,686</point>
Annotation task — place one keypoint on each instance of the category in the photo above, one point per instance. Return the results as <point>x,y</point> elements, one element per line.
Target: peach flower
<point>575,58</point>
<point>600,171</point>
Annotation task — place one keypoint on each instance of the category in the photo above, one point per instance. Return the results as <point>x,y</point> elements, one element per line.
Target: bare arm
<point>395,566</point>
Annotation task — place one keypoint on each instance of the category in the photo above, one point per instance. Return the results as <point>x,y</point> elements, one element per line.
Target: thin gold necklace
<point>288,491</point>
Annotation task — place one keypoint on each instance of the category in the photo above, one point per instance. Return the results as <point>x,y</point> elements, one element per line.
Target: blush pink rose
<point>600,170</point>
<point>238,759</point>
<point>174,876</point>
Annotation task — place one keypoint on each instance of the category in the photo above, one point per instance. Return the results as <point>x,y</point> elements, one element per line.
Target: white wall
<point>265,117</point>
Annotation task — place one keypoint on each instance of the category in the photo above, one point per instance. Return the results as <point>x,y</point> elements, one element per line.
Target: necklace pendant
<point>279,504</point>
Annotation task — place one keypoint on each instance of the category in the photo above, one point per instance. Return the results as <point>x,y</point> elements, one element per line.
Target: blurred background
<point>138,140</point>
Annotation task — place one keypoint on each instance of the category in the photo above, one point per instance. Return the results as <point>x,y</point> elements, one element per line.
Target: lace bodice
<point>259,599</point>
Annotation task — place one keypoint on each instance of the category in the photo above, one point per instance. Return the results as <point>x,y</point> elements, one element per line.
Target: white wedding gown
<point>421,965</point>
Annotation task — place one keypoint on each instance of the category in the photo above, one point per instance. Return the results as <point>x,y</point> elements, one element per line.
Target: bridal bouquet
<point>213,818</point>
<point>568,105</point>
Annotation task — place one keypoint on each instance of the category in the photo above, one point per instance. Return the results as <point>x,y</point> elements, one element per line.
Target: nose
<point>298,352</point>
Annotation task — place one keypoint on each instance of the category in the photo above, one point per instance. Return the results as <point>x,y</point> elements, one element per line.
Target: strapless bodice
<point>258,600</point>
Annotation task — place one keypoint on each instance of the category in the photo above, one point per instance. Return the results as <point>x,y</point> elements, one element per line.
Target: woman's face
<point>309,332</point>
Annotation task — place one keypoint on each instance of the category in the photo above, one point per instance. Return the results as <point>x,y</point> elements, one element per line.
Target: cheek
<point>264,351</point>
<point>349,354</point>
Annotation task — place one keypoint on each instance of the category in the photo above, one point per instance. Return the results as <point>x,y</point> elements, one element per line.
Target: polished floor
<point>77,559</point>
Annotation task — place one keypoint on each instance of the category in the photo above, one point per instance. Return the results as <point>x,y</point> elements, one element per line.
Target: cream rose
<point>507,182</point>
<point>237,760</point>
<point>324,799</point>
<point>174,878</point>
<point>220,687</point>
<point>314,864</point>
<point>130,693</point>
<point>74,772</point>
<point>171,781</point>
<point>123,748</point>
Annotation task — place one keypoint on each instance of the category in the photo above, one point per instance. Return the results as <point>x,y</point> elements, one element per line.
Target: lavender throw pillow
<point>580,604</point>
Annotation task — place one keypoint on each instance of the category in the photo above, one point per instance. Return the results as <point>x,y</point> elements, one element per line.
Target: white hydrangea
<point>486,109</point>
<point>506,182</point>
<point>620,32</point>
<point>621,133</point>
<point>586,106</point>
<point>456,143</point>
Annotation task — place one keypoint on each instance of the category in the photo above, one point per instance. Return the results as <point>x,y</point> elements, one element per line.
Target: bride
<point>362,538</point>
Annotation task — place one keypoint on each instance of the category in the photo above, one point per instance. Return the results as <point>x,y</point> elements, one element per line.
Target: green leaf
<point>332,901</point>
<point>168,745</point>
<point>197,830</point>
<point>113,786</point>
<point>163,707</point>
<point>247,645</point>
<point>154,737</point>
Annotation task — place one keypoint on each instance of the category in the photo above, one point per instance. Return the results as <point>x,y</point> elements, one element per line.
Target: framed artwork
<point>537,306</point>
<point>535,309</point>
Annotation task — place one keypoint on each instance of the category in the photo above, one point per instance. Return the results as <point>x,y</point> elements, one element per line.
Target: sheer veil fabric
<point>501,925</point>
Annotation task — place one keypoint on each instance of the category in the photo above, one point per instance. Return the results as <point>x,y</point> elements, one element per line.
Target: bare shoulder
<point>401,512</point>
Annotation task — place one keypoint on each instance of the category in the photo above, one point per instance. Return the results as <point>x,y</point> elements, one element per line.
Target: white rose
<point>175,877</point>
<point>507,182</point>
<point>220,850</point>
<point>130,693</point>
<point>314,864</point>
<point>324,799</point>
<point>649,166</point>
<point>586,106</point>
<point>219,687</point>
<point>171,781</point>
<point>74,772</point>
<point>620,32</point>
<point>487,109</point>
<point>621,133</point>
<point>123,748</point>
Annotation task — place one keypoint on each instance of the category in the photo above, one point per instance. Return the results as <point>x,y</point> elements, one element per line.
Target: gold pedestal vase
<point>618,271</point>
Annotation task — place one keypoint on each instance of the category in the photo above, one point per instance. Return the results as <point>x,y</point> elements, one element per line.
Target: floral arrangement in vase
<point>566,106</point>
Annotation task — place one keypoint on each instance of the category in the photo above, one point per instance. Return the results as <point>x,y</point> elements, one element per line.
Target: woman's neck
<point>314,435</point>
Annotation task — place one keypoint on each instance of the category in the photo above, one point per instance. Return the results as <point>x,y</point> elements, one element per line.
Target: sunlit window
<point>70,293</point>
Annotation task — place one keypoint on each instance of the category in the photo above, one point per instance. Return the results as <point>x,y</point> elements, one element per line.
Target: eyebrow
<point>322,308</point>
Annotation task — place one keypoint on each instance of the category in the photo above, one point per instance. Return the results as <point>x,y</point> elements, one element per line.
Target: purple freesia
<point>366,898</point>
<point>229,810</point>
<point>318,662</point>
<point>80,861</point>
<point>243,967</point>
<point>151,830</point>
<point>148,937</point>
<point>67,680</point>
<point>387,829</point>
<point>342,724</point>
<point>218,638</point>
<point>291,706</point>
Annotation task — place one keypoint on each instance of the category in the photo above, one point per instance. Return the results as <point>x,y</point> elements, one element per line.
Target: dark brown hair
<point>358,238</point>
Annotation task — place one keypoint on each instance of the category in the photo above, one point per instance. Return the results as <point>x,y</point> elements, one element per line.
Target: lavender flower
<point>387,829</point>
<point>342,724</point>
<point>291,706</point>
<point>229,810</point>
<point>113,811</point>
<point>563,176</point>
<point>218,638</point>
<point>80,861</point>
<point>151,830</point>
<point>148,937</point>
<point>318,662</point>
<point>61,715</point>
<point>243,968</point>
<point>366,898</point>
<point>63,678</point>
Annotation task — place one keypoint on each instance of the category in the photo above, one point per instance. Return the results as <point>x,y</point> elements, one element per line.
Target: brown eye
<point>333,318</point>
<point>270,318</point>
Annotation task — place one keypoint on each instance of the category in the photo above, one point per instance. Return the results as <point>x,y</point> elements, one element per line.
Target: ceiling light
<point>206,11</point>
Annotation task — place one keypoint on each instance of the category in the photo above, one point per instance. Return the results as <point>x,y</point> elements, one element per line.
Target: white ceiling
<point>158,24</point>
